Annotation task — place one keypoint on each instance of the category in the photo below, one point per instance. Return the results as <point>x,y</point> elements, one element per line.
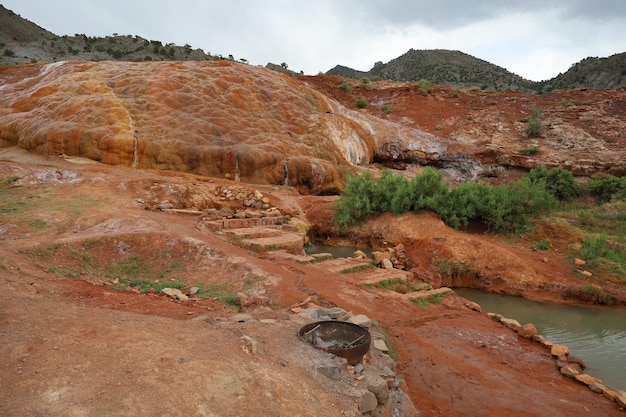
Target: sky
<point>536,39</point>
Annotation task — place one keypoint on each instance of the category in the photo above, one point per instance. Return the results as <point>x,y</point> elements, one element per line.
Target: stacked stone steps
<point>286,241</point>
<point>277,222</point>
<point>377,275</point>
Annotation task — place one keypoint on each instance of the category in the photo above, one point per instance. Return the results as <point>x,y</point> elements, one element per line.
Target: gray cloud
<point>533,38</point>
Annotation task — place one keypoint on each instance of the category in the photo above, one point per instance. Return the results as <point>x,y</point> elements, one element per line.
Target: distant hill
<point>596,73</point>
<point>459,69</point>
<point>13,28</point>
<point>22,41</point>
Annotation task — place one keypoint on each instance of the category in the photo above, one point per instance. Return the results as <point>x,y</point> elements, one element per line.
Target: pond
<point>336,251</point>
<point>595,334</point>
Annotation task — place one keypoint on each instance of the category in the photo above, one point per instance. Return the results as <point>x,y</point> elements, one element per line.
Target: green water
<point>596,334</point>
<point>336,251</point>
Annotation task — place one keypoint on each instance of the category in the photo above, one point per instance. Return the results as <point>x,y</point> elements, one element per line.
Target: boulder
<point>367,402</point>
<point>510,323</point>
<point>528,331</point>
<point>378,257</point>
<point>620,399</point>
<point>386,264</point>
<point>587,379</point>
<point>571,370</point>
<point>473,306</point>
<point>559,350</point>
<point>174,293</point>
<point>361,320</point>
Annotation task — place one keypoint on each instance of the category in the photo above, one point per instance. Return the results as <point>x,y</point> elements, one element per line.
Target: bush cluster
<point>502,208</point>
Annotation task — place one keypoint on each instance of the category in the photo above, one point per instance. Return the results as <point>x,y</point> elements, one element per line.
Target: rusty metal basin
<point>345,340</point>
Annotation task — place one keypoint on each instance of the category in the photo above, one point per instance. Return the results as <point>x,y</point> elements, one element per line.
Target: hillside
<point>25,42</point>
<point>455,68</point>
<point>443,67</point>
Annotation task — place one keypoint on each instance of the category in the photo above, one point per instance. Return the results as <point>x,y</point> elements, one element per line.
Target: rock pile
<point>376,386</point>
<point>390,258</point>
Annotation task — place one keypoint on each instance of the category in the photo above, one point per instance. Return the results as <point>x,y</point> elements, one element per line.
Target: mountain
<point>459,69</point>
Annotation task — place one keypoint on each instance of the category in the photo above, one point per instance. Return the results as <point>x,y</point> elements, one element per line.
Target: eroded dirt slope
<point>75,346</point>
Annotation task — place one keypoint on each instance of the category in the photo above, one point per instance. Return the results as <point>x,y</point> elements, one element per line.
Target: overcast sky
<point>537,39</point>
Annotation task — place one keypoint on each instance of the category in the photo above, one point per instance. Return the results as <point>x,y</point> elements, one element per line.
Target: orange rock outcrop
<point>210,118</point>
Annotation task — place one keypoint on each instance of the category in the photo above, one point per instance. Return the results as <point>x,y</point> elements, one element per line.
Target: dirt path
<point>73,348</point>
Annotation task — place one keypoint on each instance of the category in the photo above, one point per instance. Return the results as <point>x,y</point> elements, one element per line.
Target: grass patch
<point>393,354</point>
<point>357,268</point>
<point>596,295</point>
<point>449,268</point>
<point>433,299</point>
<point>400,286</point>
<point>543,244</point>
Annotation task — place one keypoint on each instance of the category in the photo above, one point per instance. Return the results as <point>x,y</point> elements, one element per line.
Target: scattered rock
<point>579,262</point>
<point>174,293</point>
<point>586,273</point>
<point>359,254</point>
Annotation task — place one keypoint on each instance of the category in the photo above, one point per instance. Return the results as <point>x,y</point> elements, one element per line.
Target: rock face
<point>215,118</point>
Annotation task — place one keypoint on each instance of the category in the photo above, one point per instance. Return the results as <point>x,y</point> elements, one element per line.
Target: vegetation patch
<point>433,299</point>
<point>596,295</point>
<point>399,285</point>
<point>449,268</point>
<point>358,268</point>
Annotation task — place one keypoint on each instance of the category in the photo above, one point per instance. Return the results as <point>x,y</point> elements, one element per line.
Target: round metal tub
<point>345,340</point>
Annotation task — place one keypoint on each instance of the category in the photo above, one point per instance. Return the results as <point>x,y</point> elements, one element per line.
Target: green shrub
<point>609,188</point>
<point>345,86</point>
<point>365,83</point>
<point>543,244</point>
<point>557,181</point>
<point>360,103</point>
<point>387,108</point>
<point>501,208</point>
<point>533,129</point>
<point>531,150</point>
<point>425,87</point>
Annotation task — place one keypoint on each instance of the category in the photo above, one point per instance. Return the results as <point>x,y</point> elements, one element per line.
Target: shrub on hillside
<point>360,103</point>
<point>501,208</point>
<point>557,181</point>
<point>609,188</point>
<point>533,129</point>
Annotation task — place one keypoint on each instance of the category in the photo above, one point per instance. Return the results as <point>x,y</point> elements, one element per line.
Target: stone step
<point>426,294</point>
<point>251,232</point>
<point>284,241</point>
<point>346,265</point>
<point>376,275</point>
<point>278,222</point>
